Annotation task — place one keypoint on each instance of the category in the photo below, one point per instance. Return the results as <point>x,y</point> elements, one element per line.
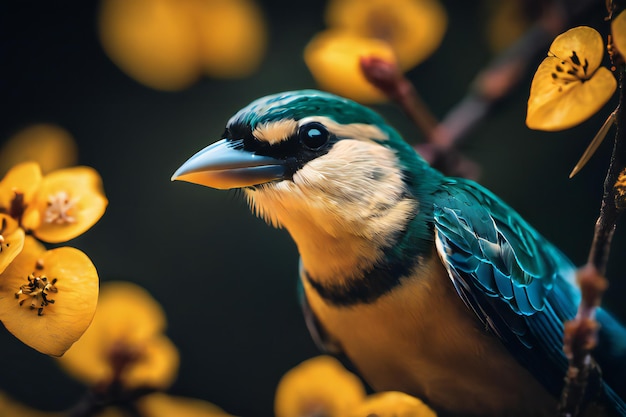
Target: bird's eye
<point>313,135</point>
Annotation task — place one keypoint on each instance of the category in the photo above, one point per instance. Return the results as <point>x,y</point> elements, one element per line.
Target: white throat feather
<point>341,209</point>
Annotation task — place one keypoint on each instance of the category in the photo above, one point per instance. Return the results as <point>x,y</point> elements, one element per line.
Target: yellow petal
<point>618,31</point>
<point>232,36</point>
<point>68,203</point>
<point>158,366</point>
<point>127,317</point>
<point>555,106</point>
<point>413,28</point>
<point>163,405</point>
<point>51,146</point>
<point>584,42</point>
<point>392,404</point>
<point>61,323</point>
<point>11,241</point>
<point>333,59</point>
<point>128,311</point>
<point>318,386</point>
<point>24,179</point>
<point>152,41</point>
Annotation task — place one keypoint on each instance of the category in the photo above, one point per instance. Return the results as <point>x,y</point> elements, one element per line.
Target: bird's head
<point>318,165</point>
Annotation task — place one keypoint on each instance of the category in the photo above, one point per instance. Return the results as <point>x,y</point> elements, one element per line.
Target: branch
<point>500,77</point>
<point>581,333</point>
<point>388,78</point>
<point>491,85</point>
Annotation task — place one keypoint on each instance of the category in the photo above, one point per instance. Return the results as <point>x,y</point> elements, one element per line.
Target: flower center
<point>571,70</point>
<point>384,24</point>
<point>59,208</point>
<point>38,290</point>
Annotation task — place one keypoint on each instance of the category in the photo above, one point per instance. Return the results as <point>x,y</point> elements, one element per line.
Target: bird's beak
<point>225,165</point>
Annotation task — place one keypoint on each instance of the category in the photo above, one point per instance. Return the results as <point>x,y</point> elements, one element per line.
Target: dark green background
<point>225,279</point>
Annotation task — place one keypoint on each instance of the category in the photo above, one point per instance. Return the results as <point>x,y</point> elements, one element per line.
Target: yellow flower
<point>124,342</point>
<point>392,404</point>
<point>48,298</point>
<point>49,145</point>
<point>67,203</point>
<point>318,386</point>
<point>570,85</point>
<point>413,28</point>
<point>166,44</point>
<point>333,59</point>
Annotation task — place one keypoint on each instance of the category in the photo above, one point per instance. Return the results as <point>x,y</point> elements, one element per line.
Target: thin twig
<point>491,85</point>
<point>500,77</point>
<point>581,332</point>
<point>388,78</point>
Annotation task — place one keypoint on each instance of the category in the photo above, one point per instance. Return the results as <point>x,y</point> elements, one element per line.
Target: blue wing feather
<point>518,284</point>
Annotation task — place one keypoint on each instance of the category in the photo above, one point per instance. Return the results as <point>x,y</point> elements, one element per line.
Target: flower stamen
<point>59,208</point>
<point>571,70</point>
<point>39,289</point>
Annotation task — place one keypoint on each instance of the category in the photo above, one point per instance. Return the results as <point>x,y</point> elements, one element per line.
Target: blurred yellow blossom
<point>392,404</point>
<point>413,28</point>
<point>150,40</point>
<point>333,59</point>
<point>49,145</point>
<point>163,405</point>
<point>168,44</point>
<point>570,85</point>
<point>125,342</point>
<point>402,32</point>
<point>318,386</point>
<point>226,52</point>
<point>48,298</point>
<point>508,21</point>
<point>67,203</point>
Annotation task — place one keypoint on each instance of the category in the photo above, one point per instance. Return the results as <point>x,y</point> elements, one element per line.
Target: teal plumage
<point>430,285</point>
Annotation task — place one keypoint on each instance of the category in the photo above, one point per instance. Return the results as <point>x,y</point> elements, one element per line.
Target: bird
<point>427,284</point>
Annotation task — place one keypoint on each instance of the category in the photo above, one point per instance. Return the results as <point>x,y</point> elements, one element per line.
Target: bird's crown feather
<point>299,104</point>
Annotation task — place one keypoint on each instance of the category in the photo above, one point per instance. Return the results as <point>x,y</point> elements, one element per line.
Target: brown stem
<point>581,333</point>
<point>609,211</point>
<point>387,77</point>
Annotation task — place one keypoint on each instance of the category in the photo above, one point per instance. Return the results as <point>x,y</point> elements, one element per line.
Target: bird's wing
<point>518,284</point>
